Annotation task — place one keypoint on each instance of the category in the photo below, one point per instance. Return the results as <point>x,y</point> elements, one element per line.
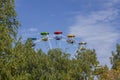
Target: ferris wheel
<point>59,41</point>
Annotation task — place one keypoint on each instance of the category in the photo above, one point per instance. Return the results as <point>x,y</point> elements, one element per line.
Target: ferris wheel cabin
<point>44,36</point>
<point>70,38</point>
<point>58,35</point>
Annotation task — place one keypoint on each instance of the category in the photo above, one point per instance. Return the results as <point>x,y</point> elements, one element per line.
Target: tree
<point>59,64</point>
<point>8,32</point>
<point>87,61</point>
<point>8,24</point>
<point>8,17</point>
<point>116,58</point>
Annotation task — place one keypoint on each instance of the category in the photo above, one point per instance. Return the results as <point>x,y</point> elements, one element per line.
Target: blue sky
<point>94,21</point>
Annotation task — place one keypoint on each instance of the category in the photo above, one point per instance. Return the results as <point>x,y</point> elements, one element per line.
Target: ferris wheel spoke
<point>49,44</point>
<point>37,41</point>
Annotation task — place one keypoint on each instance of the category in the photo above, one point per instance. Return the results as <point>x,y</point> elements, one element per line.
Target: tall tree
<point>87,61</point>
<point>8,32</point>
<point>8,17</point>
<point>115,59</point>
<point>8,24</point>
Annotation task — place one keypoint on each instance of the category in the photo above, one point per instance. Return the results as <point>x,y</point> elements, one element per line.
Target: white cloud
<point>33,29</point>
<point>111,3</point>
<point>98,31</point>
<point>30,32</point>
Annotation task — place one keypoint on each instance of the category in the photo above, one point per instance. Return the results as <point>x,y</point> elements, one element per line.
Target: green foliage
<point>116,57</point>
<point>8,17</point>
<point>5,40</point>
<point>87,61</point>
<point>25,64</point>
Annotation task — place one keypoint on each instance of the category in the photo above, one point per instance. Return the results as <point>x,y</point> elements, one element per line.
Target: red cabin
<point>58,32</point>
<point>58,35</point>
